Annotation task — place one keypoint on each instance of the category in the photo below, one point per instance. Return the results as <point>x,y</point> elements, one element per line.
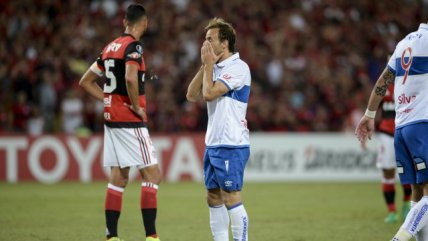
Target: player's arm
<point>365,127</point>
<point>133,59</point>
<point>89,81</point>
<point>194,90</point>
<point>210,90</point>
<point>131,79</point>
<point>379,91</point>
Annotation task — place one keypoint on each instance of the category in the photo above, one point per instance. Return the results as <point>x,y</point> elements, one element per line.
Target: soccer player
<point>126,139</point>
<point>386,159</point>
<point>223,81</point>
<point>408,70</point>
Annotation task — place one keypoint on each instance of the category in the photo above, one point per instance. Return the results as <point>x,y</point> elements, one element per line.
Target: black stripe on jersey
<point>125,124</point>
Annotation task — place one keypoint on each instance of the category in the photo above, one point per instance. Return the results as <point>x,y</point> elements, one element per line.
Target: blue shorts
<point>224,167</point>
<point>411,151</point>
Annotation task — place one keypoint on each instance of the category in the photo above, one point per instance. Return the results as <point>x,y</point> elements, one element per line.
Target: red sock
<point>389,195</point>
<point>113,205</point>
<point>148,204</point>
<point>113,198</point>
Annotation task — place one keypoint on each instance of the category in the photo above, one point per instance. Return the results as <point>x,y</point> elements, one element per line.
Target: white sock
<point>417,218</point>
<point>219,222</point>
<point>239,220</point>
<point>422,234</point>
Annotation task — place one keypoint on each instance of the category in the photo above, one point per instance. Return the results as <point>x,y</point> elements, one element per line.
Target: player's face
<point>212,37</point>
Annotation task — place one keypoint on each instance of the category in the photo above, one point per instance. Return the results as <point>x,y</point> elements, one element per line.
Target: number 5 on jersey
<point>111,85</point>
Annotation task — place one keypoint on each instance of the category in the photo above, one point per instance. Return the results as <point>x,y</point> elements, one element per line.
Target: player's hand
<point>137,111</point>
<point>208,56</point>
<point>364,130</point>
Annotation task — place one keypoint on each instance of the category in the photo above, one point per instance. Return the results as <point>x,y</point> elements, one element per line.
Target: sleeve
<point>100,62</point>
<point>98,67</point>
<point>233,77</point>
<point>134,53</point>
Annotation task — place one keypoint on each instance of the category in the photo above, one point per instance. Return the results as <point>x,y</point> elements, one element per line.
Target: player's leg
<point>148,199</point>
<point>388,189</point>
<point>386,162</point>
<point>113,202</point>
<point>219,218</point>
<point>237,213</point>
<point>151,175</point>
<point>229,164</point>
<point>411,144</point>
<point>407,196</point>
<point>117,182</point>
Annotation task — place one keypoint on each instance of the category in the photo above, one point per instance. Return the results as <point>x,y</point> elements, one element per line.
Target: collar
<point>423,26</point>
<point>228,60</point>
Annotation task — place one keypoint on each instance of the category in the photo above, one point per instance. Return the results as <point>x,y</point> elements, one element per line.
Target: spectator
<point>305,56</point>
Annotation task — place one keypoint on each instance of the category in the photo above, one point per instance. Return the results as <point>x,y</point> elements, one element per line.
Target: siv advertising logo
<point>404,99</point>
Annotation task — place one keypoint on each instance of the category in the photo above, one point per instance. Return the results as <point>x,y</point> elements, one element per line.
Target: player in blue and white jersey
<point>408,70</point>
<point>223,81</point>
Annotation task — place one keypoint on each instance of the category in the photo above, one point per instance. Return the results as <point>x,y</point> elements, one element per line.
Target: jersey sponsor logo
<point>134,55</point>
<point>107,101</point>
<point>113,47</point>
<point>403,99</point>
<point>107,116</point>
<point>227,77</point>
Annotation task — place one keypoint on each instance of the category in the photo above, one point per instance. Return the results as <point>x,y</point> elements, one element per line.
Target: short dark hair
<point>225,31</point>
<point>135,12</point>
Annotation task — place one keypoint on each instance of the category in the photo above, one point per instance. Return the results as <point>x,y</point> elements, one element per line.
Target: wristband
<point>370,114</point>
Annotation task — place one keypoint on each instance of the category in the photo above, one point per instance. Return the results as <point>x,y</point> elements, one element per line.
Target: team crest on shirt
<point>134,55</point>
<point>227,77</point>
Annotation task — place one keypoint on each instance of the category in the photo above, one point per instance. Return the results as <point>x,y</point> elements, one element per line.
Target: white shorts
<point>386,152</point>
<point>127,147</point>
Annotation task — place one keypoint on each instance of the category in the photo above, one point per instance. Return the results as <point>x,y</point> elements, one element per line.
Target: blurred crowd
<point>313,62</point>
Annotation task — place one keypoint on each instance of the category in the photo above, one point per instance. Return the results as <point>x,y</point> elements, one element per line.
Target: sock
<point>239,220</point>
<point>113,205</point>
<point>388,188</point>
<point>219,223</point>
<point>417,219</point>
<point>407,190</point>
<point>148,204</point>
<point>420,236</point>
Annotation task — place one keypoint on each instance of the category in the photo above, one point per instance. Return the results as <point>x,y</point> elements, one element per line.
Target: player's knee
<point>157,179</point>
<point>119,182</point>
<point>231,198</point>
<point>214,198</point>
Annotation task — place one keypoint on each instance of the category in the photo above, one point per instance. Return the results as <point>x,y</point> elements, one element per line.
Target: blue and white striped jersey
<point>409,63</point>
<point>227,126</point>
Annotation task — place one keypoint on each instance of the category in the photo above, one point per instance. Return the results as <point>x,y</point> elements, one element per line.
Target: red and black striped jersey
<point>387,123</point>
<point>112,61</point>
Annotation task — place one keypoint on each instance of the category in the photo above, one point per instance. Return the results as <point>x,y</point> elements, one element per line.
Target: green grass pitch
<point>278,211</point>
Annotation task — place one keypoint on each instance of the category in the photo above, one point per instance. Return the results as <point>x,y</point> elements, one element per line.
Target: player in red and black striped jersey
<point>386,158</point>
<point>126,139</point>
